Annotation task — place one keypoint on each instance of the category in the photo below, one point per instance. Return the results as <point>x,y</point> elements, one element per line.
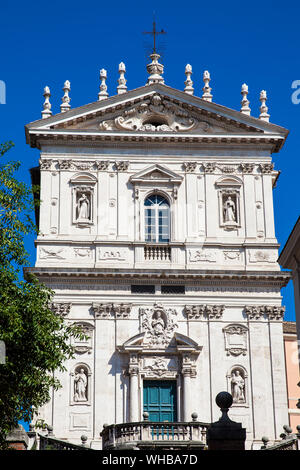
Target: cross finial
<point>154,33</point>
<point>47,105</point>
<point>65,106</point>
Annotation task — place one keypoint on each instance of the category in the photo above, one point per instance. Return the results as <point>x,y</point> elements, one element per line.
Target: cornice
<point>65,137</point>
<point>279,278</point>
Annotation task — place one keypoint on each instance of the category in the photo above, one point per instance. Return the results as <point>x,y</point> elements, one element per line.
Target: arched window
<point>157,219</point>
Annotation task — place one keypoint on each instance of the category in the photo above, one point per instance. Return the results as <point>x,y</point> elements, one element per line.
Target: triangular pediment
<point>154,111</point>
<point>156,173</point>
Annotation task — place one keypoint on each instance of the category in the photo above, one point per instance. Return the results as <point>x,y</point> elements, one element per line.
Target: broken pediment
<point>178,343</point>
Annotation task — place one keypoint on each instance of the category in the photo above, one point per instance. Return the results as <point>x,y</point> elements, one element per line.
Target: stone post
<point>225,434</point>
<point>17,439</point>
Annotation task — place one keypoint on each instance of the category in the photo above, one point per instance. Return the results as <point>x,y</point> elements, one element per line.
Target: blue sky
<point>46,43</point>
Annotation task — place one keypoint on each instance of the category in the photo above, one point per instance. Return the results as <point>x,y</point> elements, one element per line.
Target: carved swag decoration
<point>154,114</point>
<point>159,325</point>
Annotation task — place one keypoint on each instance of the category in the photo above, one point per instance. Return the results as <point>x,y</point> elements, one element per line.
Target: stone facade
<point>202,309</point>
<point>292,373</point>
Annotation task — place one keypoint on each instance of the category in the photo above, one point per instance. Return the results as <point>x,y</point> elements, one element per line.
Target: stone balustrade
<point>157,253</point>
<point>151,434</point>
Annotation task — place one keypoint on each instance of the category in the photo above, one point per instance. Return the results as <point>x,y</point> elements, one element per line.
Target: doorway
<point>160,400</point>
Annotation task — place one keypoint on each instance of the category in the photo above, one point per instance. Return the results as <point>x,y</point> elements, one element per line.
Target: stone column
<point>134,395</point>
<point>186,394</point>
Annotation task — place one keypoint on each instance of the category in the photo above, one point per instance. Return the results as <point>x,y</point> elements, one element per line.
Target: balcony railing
<point>148,434</point>
<point>157,253</point>
<point>50,443</point>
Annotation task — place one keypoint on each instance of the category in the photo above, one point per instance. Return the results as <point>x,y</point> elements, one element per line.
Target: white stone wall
<point>115,236</point>
<point>98,164</point>
<point>265,410</point>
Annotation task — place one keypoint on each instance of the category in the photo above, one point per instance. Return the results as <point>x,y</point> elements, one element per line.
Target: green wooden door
<point>160,400</point>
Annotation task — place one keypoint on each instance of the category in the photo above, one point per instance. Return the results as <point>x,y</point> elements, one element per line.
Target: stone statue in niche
<point>229,210</point>
<point>80,385</point>
<point>158,324</point>
<point>83,208</point>
<point>237,387</point>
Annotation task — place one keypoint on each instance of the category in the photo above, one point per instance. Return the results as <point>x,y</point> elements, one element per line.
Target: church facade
<point>157,236</point>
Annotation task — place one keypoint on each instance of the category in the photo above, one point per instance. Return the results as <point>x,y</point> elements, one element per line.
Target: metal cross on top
<point>154,32</point>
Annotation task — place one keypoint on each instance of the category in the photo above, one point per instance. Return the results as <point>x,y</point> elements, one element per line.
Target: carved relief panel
<point>235,339</point>
<point>159,324</point>
<point>84,345</point>
<point>159,367</point>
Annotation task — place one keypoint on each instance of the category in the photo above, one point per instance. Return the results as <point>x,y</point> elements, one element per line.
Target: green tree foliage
<point>37,340</point>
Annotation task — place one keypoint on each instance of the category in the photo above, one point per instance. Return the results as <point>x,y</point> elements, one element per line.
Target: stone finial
<point>83,440</point>
<point>287,429</point>
<point>263,108</point>
<point>122,88</point>
<point>47,105</point>
<point>207,96</point>
<point>155,70</point>
<point>194,416</point>
<point>225,434</point>
<point>265,441</point>
<point>245,102</point>
<point>65,106</point>
<point>102,95</point>
<point>224,401</point>
<point>188,83</point>
<point>50,430</point>
<point>146,416</point>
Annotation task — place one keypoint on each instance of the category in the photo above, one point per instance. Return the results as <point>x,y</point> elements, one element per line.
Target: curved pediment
<point>83,177</point>
<point>186,343</point>
<point>229,181</point>
<point>134,341</point>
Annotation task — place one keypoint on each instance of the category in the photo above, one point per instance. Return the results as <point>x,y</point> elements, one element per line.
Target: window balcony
<point>153,254</point>
<point>157,252</point>
<point>151,435</point>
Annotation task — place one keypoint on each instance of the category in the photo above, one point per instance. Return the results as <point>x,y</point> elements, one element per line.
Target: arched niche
<point>229,195</point>
<point>237,385</point>
<point>81,384</point>
<point>83,189</point>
